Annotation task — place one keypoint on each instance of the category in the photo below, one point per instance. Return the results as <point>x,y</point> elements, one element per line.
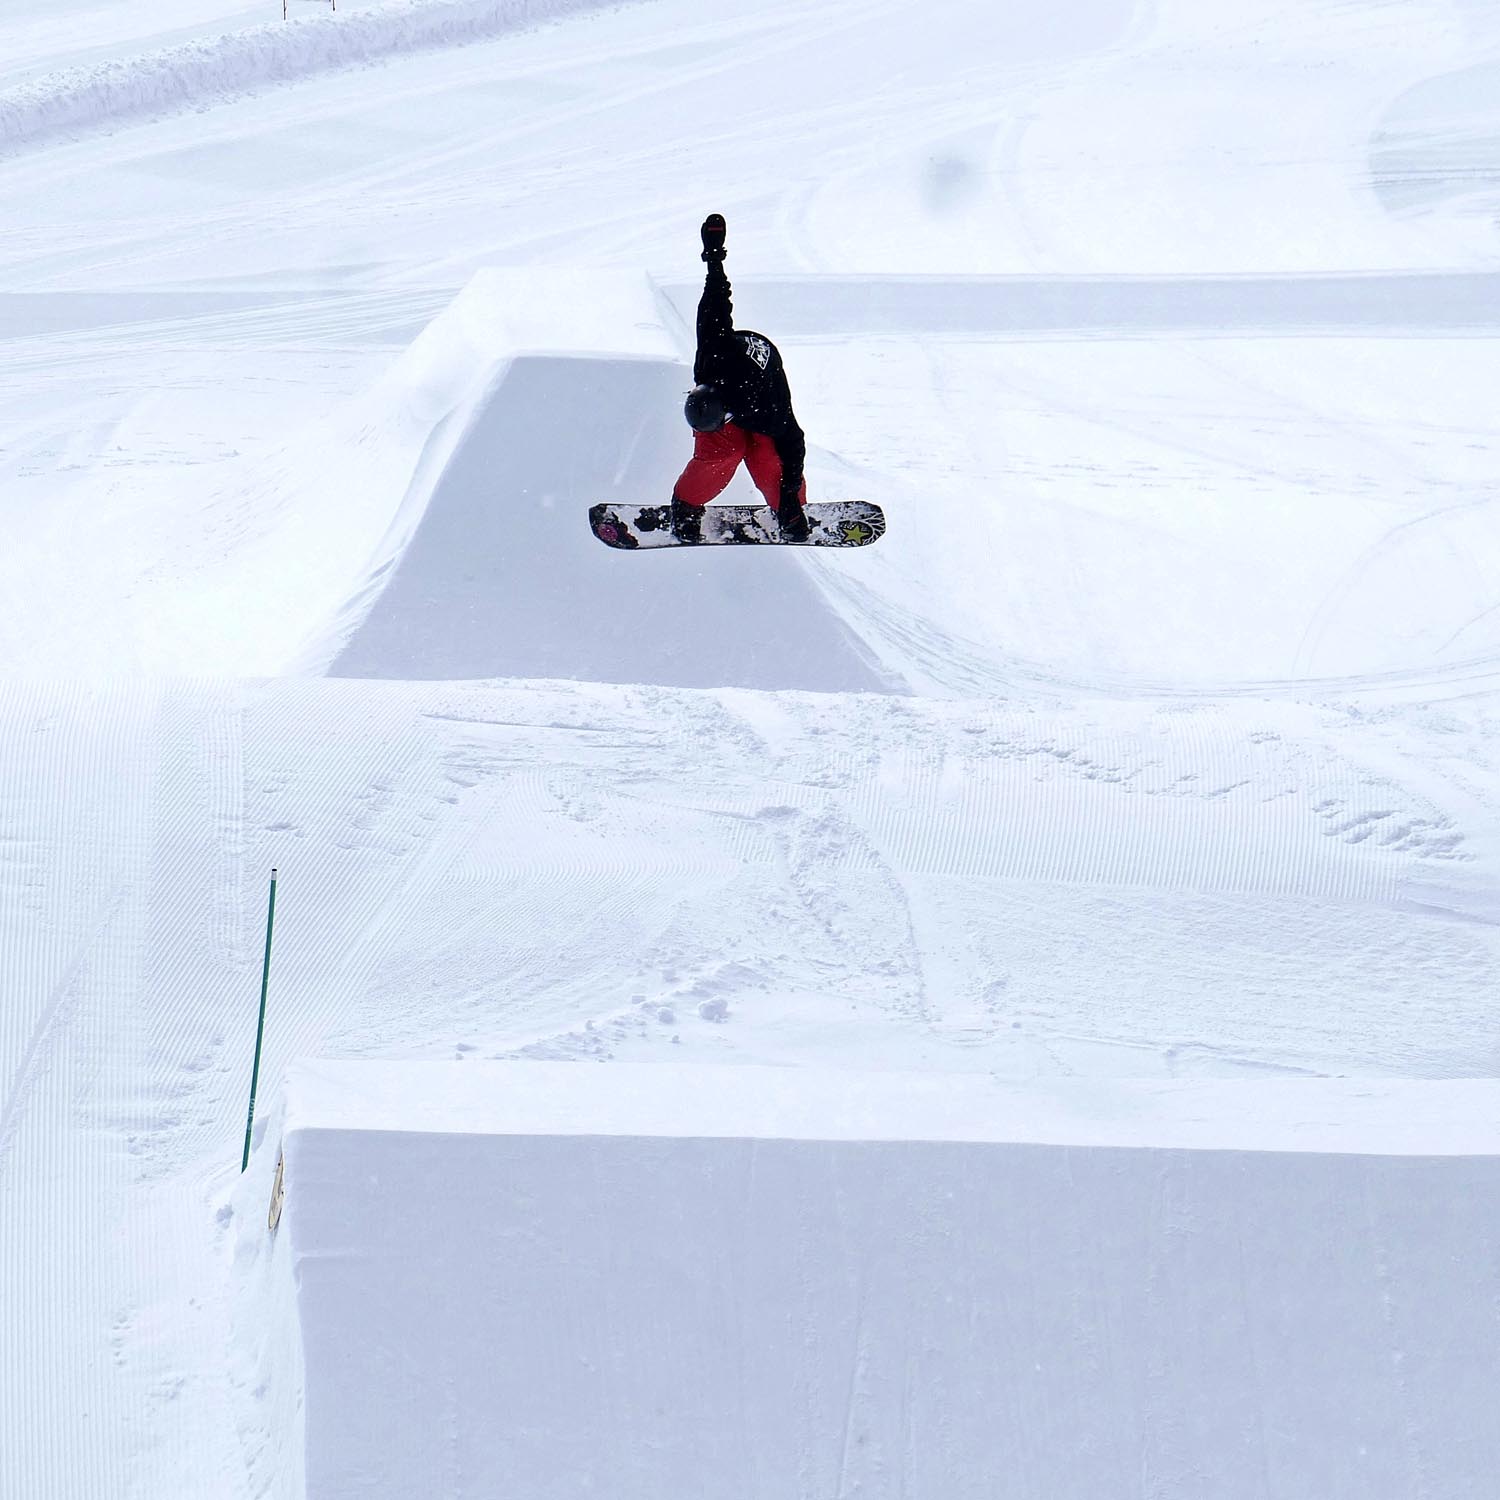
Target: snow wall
<point>551,1280</point>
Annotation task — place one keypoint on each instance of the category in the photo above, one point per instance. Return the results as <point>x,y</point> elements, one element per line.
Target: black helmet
<point>704,410</point>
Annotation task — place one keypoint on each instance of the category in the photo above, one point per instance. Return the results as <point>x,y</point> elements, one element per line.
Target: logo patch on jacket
<point>758,349</point>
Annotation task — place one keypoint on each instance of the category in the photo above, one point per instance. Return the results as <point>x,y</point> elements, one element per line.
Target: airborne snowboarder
<point>740,410</point>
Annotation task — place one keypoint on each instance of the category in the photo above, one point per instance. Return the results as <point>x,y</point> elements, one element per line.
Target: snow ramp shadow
<point>501,577</point>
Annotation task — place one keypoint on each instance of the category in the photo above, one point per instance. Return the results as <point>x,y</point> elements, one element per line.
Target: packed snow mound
<point>502,577</point>
<point>489,568</point>
<point>749,1284</point>
<point>201,73</point>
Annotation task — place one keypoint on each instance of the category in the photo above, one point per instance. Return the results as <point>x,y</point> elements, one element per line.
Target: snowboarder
<point>740,410</point>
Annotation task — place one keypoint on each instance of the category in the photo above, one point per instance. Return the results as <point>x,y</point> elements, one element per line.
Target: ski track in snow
<point>821,863</point>
<point>202,73</point>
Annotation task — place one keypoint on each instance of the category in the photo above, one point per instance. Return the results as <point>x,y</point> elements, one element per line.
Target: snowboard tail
<point>831,523</point>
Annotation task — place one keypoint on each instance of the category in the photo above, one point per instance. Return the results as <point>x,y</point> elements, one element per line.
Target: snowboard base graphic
<point>831,523</point>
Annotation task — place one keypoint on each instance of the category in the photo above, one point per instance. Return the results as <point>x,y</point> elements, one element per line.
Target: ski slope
<point>1154,748</point>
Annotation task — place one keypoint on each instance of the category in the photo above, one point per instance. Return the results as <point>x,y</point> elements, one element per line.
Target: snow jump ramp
<point>499,575</point>
<point>740,1283</point>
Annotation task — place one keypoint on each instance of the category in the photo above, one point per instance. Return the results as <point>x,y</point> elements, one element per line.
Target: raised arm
<point>715,315</point>
<point>715,307</point>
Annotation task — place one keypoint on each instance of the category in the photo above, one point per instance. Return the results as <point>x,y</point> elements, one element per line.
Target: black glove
<point>713,237</point>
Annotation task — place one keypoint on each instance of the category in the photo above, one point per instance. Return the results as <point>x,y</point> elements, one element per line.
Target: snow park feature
<point>743,1283</point>
<point>1123,828</point>
<point>488,568</point>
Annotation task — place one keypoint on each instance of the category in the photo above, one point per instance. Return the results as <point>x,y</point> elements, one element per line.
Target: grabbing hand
<point>713,237</point>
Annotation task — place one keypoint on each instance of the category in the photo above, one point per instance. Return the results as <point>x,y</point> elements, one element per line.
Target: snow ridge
<point>191,74</point>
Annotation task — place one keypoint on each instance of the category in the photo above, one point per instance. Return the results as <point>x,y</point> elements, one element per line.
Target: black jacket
<point>745,369</point>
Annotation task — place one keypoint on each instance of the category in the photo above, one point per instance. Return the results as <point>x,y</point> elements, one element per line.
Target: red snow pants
<point>716,455</point>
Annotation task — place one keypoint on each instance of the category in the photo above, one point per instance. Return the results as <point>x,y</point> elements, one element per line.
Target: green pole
<point>260,1030</point>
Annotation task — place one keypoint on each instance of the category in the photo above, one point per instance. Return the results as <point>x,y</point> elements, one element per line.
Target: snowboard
<point>831,523</point>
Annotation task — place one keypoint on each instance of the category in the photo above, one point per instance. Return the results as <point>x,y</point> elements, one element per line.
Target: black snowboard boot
<point>687,521</point>
<point>791,520</point>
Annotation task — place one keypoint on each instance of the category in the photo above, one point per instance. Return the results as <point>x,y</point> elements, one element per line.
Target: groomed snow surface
<point>749,1282</point>
<point>1008,1011</point>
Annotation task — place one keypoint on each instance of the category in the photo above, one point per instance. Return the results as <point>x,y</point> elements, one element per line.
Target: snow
<point>497,477</point>
<point>1122,831</point>
<point>192,74</point>
<point>1324,1116</point>
<point>746,1282</point>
